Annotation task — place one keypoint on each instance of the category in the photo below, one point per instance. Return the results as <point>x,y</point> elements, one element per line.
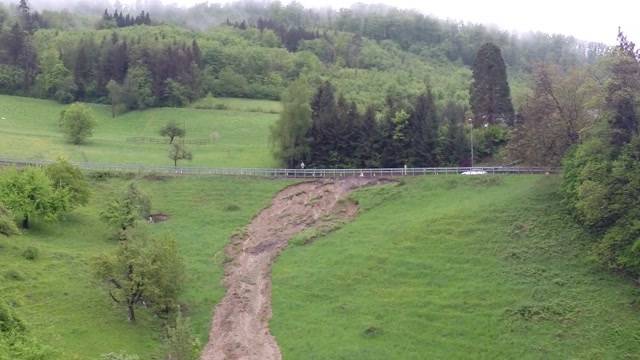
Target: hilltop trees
<point>490,95</point>
<point>77,123</point>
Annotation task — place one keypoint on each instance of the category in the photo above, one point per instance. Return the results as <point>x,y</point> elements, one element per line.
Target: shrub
<point>180,343</point>
<point>77,123</point>
<point>125,210</point>
<point>119,356</point>
<point>31,253</point>
<point>29,192</point>
<point>67,177</point>
<point>14,275</point>
<point>7,224</point>
<point>231,207</point>
<point>8,320</point>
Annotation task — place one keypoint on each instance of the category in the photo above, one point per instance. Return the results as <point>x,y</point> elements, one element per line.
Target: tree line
<point>324,130</point>
<point>120,20</point>
<point>258,54</point>
<point>601,183</point>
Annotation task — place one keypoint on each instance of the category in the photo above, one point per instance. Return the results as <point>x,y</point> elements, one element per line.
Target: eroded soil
<point>240,328</point>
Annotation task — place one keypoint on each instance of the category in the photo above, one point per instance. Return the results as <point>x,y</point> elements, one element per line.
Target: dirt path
<point>240,328</point>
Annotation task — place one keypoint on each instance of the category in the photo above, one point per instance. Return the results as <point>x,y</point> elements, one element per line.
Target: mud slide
<point>240,328</point>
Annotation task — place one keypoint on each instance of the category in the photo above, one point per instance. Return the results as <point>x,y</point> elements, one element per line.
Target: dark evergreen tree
<point>15,44</point>
<point>368,140</point>
<point>24,12</point>
<point>453,148</point>
<point>423,132</point>
<point>323,118</point>
<point>490,95</point>
<point>622,92</point>
<point>81,71</point>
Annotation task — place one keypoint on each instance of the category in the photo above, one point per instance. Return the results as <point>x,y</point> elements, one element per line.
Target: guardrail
<point>285,173</point>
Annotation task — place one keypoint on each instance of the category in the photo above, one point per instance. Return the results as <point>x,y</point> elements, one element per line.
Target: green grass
<point>237,104</point>
<point>65,308</point>
<point>239,135</point>
<point>452,268</point>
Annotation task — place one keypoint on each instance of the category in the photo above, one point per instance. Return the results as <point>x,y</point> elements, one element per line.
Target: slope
<point>452,267</point>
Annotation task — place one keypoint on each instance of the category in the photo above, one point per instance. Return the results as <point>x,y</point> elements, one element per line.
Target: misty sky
<point>586,20</point>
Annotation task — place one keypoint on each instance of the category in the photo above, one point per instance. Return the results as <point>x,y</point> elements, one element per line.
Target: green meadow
<point>65,308</point>
<point>451,268</point>
<point>236,136</point>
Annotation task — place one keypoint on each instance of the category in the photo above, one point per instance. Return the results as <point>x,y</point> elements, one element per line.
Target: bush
<point>31,253</point>
<point>77,123</point>
<point>231,207</point>
<point>8,320</point>
<point>15,342</point>
<point>7,224</point>
<point>119,356</point>
<point>180,343</point>
<point>29,192</point>
<point>603,193</point>
<point>14,275</point>
<point>67,177</point>
<point>124,211</point>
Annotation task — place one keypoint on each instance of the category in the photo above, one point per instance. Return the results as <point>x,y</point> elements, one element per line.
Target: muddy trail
<point>240,328</point>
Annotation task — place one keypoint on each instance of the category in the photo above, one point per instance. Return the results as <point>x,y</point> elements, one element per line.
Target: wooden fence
<point>285,173</point>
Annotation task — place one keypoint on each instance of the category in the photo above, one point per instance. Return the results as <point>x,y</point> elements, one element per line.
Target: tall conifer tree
<point>490,96</point>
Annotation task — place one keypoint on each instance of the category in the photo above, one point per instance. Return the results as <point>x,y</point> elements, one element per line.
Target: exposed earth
<point>240,328</point>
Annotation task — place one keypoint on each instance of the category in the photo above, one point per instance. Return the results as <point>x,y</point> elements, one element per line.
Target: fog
<point>586,20</point>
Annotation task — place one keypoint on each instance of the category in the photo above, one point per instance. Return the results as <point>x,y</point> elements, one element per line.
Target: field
<point>63,306</point>
<point>441,267</point>
<point>451,268</point>
<point>235,137</point>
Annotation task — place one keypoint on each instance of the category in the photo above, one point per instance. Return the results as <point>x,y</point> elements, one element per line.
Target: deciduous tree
<point>172,131</point>
<point>143,270</point>
<point>179,152</point>
<point>66,177</point>
<point>289,134</point>
<point>77,123</point>
<point>29,193</point>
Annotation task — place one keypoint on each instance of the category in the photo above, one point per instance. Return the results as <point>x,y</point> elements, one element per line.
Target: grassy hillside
<point>238,135</point>
<point>63,306</point>
<point>450,268</point>
<point>442,267</point>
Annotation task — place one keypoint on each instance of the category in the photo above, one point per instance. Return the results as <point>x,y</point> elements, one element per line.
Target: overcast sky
<point>586,20</point>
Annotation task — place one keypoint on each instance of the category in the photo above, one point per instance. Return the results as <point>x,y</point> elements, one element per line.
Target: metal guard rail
<point>284,173</point>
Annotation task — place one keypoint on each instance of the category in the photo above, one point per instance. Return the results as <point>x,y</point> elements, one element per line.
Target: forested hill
<point>255,49</point>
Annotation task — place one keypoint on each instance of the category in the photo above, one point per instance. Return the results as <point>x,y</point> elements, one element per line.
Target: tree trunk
<point>131,313</point>
<point>171,140</point>
<point>25,222</point>
<point>175,163</point>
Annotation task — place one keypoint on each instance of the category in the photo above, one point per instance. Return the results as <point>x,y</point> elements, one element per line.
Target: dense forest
<point>255,50</point>
<point>382,63</point>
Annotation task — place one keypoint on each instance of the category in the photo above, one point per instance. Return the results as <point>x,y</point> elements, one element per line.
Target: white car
<point>474,172</point>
